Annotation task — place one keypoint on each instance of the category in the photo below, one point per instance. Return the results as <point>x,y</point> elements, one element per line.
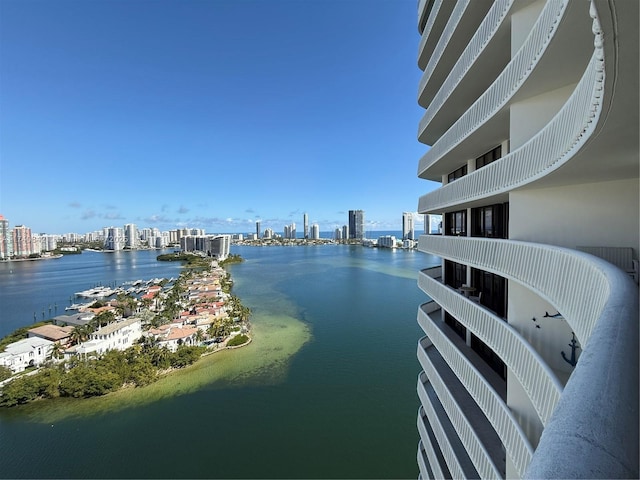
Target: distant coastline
<point>47,257</point>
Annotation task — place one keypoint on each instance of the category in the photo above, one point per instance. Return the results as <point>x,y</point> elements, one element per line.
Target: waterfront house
<point>172,336</point>
<point>74,320</point>
<point>53,333</point>
<point>29,352</point>
<point>117,335</point>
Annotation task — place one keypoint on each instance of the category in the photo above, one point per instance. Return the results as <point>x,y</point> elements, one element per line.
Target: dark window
<point>493,288</point>
<point>455,223</point>
<point>489,157</point>
<point>455,274</point>
<point>488,356</point>
<point>490,221</point>
<point>456,174</point>
<point>456,326</point>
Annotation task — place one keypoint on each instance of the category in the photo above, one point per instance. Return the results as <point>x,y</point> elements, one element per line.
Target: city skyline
<point>207,115</point>
<point>9,225</point>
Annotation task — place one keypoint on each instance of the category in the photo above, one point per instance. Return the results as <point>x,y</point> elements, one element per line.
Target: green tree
<point>142,372</point>
<point>160,357</point>
<point>89,379</point>
<point>186,355</point>
<point>126,305</point>
<point>220,328</point>
<point>104,318</point>
<point>5,372</point>
<point>57,351</point>
<point>79,334</point>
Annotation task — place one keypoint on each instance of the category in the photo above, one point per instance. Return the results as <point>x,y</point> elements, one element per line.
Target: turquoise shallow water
<point>327,389</point>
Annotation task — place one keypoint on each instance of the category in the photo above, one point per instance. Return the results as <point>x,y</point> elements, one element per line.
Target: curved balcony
<point>462,24</point>
<point>455,411</point>
<point>495,409</point>
<point>430,406</point>
<point>428,460</point>
<point>424,7</point>
<point>484,52</point>
<point>551,148</point>
<point>501,91</point>
<point>436,21</point>
<point>602,309</point>
<point>535,376</point>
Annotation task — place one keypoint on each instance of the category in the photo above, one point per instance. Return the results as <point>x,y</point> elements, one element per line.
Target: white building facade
<point>115,336</point>
<point>532,122</point>
<point>213,245</point>
<point>30,352</point>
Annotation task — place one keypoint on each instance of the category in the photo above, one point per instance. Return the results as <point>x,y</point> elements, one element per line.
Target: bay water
<point>325,390</point>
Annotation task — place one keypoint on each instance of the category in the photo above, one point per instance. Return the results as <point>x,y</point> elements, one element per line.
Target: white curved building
<point>530,353</point>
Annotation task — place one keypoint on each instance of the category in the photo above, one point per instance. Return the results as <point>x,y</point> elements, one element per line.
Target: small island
<point>127,342</point>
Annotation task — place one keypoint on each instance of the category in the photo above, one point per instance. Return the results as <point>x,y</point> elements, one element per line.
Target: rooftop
<point>52,332</point>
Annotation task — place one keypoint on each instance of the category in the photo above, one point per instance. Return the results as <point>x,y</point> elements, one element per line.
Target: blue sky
<point>208,114</point>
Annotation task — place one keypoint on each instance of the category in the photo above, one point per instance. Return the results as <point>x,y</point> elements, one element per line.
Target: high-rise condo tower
<point>408,228</point>
<point>530,353</point>
<point>356,224</point>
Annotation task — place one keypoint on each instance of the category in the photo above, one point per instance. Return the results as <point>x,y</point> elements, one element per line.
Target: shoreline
<point>48,257</point>
<point>206,349</point>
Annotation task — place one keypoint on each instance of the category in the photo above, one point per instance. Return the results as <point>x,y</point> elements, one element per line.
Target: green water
<point>325,390</point>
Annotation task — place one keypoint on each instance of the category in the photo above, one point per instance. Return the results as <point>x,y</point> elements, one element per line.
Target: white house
<point>30,352</point>
<point>118,335</point>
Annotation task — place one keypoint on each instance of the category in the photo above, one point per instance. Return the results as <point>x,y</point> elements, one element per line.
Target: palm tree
<point>146,302</point>
<point>57,351</point>
<point>79,334</point>
<point>104,318</point>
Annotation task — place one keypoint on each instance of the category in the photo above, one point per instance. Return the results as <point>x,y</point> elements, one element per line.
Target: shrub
<point>5,372</point>
<point>237,340</point>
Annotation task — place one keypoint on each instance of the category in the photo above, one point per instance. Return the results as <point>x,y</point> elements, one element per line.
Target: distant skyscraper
<point>22,241</point>
<point>114,239</point>
<point>130,236</point>
<point>356,224</point>
<point>337,235</point>
<point>306,226</point>
<point>258,229</point>
<point>315,231</point>
<point>345,232</point>
<point>5,238</point>
<point>408,229</point>
<point>290,231</point>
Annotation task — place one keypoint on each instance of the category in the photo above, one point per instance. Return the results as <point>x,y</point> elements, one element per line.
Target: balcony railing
<point>548,150</point>
<point>458,467</point>
<point>600,304</point>
<point>428,453</point>
<point>464,428</point>
<point>487,29</point>
<point>493,406</point>
<point>502,90</point>
<point>427,34</point>
<point>535,376</point>
<point>449,29</point>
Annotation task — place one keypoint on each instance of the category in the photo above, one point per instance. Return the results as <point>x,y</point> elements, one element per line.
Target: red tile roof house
<point>172,336</point>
